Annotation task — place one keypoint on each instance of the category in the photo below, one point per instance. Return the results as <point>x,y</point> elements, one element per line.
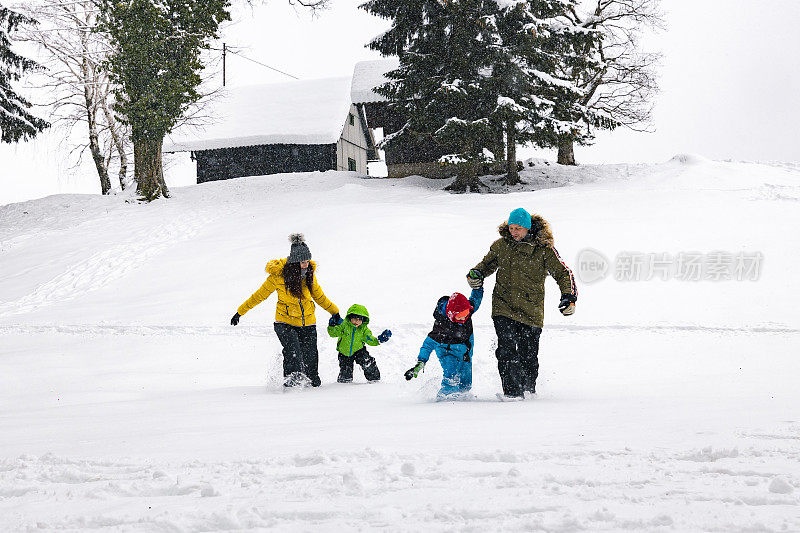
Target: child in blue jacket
<point>452,339</point>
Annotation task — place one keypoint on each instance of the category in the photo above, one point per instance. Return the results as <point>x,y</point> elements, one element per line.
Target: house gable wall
<point>352,144</point>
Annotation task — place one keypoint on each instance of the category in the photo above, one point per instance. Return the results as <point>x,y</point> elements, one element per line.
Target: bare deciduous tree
<point>623,87</point>
<point>79,88</point>
<point>314,6</point>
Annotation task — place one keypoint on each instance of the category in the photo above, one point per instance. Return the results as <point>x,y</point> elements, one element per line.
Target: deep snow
<point>127,402</point>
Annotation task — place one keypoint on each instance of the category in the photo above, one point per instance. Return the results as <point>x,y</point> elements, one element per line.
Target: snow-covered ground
<point>127,402</point>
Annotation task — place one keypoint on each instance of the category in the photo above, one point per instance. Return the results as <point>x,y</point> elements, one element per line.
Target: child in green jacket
<point>354,335</point>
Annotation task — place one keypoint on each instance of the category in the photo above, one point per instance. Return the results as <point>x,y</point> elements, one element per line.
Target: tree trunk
<point>499,145</point>
<point>512,174</point>
<point>466,179</point>
<point>148,171</point>
<point>123,167</point>
<point>566,152</point>
<point>89,97</point>
<point>94,143</point>
<point>119,144</point>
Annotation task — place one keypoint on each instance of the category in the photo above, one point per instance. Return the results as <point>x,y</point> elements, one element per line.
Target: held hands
<point>384,336</point>
<point>567,304</point>
<point>335,320</point>
<point>475,279</point>
<point>235,319</point>
<point>414,372</point>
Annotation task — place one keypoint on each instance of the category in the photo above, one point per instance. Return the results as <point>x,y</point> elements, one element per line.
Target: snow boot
<point>503,398</point>
<point>296,379</point>
<point>462,396</point>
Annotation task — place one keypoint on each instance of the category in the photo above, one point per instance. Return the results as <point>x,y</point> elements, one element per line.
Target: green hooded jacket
<point>353,338</point>
<point>521,269</point>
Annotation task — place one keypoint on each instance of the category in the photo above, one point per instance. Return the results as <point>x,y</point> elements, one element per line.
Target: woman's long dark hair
<point>291,276</point>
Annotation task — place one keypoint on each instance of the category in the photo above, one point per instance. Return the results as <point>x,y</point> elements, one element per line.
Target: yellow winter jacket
<point>290,310</point>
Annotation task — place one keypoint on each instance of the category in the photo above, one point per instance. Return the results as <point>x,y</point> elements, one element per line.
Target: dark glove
<point>235,319</point>
<point>384,336</point>
<point>335,320</point>
<point>475,279</point>
<point>567,304</point>
<point>414,372</point>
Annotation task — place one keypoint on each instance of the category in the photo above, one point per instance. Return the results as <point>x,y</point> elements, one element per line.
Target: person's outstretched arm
<point>475,298</point>
<point>424,354</point>
<point>263,292</point>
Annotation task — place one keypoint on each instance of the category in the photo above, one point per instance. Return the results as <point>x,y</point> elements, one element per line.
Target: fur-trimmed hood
<point>539,234</point>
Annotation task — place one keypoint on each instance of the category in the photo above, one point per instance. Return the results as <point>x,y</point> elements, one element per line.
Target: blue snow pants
<point>457,374</point>
<point>456,361</point>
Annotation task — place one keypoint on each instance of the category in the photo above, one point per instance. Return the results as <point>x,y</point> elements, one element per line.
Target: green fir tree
<point>16,122</point>
<point>442,83</point>
<point>472,69</point>
<point>536,103</point>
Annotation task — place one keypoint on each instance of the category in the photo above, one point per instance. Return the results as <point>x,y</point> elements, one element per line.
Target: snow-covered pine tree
<point>538,101</point>
<point>574,54</point>
<point>512,82</point>
<point>469,68</point>
<point>442,84</point>
<point>15,121</point>
<point>521,26</point>
<point>532,38</point>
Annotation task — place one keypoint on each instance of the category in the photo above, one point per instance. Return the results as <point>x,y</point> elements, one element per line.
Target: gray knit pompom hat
<point>300,251</point>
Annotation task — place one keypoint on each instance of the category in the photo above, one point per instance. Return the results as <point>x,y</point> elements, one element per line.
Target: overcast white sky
<point>729,85</point>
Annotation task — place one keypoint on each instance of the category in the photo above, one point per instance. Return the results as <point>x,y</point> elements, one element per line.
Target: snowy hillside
<point>127,401</point>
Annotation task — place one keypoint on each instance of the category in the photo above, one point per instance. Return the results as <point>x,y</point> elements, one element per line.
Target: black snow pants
<point>300,354</point>
<point>364,360</point>
<point>517,355</point>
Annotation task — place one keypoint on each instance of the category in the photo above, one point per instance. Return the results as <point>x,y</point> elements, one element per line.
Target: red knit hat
<point>458,308</point>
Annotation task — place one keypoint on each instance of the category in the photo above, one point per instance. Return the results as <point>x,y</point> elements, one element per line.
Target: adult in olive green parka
<point>523,256</point>
<point>354,335</point>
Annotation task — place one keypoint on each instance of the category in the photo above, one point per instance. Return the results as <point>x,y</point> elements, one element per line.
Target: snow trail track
<point>111,263</point>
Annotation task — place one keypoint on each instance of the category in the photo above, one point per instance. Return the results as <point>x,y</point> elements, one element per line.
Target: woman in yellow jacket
<point>295,324</point>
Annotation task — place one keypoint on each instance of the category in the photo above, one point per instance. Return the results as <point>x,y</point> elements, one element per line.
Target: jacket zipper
<point>352,339</point>
<point>302,311</point>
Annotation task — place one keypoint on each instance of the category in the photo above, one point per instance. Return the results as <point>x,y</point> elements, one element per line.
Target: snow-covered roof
<point>369,74</point>
<point>296,112</point>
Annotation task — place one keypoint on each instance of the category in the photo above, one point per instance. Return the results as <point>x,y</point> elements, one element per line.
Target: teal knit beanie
<point>520,217</point>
